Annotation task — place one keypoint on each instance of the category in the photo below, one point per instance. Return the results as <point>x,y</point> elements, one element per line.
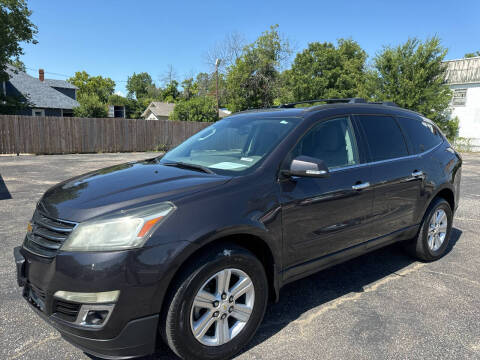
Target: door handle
<point>417,173</point>
<point>361,186</point>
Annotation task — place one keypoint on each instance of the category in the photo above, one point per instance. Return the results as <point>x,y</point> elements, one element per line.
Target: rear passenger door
<point>423,137</point>
<point>396,178</point>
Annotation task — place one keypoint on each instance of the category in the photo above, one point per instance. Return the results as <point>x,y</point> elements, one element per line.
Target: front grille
<point>47,235</point>
<point>66,310</point>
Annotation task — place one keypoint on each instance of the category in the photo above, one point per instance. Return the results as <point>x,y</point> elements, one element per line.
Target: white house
<point>158,111</point>
<point>463,77</point>
<point>161,111</point>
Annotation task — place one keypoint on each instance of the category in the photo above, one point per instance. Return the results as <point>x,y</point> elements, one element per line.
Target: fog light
<point>95,317</point>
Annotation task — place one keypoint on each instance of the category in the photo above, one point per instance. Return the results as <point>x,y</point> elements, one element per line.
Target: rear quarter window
<point>422,134</point>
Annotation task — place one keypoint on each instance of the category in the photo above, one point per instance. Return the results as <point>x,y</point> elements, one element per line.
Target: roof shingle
<point>39,93</point>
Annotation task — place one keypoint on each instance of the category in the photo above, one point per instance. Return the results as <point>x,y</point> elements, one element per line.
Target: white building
<point>463,77</point>
<point>158,111</point>
<point>161,111</point>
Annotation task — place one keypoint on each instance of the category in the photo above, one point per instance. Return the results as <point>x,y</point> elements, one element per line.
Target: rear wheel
<point>434,235</point>
<point>216,305</point>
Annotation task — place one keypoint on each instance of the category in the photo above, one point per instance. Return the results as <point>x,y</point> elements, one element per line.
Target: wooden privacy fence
<point>60,135</point>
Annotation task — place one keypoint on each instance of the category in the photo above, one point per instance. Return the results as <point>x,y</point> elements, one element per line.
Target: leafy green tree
<point>201,109</point>
<point>203,82</point>
<point>138,85</point>
<point>118,100</point>
<point>171,92</point>
<point>17,63</point>
<point>412,76</point>
<point>15,28</point>
<point>206,86</point>
<point>325,71</point>
<point>252,82</point>
<point>91,106</point>
<point>472,54</point>
<point>189,88</point>
<point>93,85</point>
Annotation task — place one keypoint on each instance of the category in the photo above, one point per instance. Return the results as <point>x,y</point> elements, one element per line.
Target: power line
<point>64,75</point>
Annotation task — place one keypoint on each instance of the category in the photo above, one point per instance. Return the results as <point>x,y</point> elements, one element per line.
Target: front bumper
<point>137,338</point>
<point>132,328</point>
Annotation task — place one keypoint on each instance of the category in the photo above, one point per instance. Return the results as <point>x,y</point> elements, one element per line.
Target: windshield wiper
<point>189,166</point>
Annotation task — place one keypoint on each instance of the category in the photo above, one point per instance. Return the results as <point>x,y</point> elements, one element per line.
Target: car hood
<point>123,186</point>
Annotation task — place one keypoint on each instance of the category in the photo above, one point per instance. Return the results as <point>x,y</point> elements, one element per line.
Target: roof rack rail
<point>386,103</point>
<point>333,101</point>
<point>328,101</point>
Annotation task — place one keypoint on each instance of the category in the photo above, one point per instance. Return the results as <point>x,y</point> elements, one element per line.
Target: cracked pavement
<point>382,305</point>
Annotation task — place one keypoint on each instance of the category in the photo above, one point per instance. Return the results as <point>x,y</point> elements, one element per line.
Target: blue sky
<point>116,38</point>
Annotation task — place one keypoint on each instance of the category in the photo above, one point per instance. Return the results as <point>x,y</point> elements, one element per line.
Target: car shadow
<point>315,290</point>
<point>4,193</point>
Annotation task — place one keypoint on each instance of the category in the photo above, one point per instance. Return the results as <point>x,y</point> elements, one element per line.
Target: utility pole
<point>217,63</point>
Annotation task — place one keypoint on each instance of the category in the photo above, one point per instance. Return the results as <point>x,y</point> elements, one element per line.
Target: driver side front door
<point>323,216</point>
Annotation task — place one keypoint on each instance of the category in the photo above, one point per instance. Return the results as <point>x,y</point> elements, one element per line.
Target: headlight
<point>124,229</point>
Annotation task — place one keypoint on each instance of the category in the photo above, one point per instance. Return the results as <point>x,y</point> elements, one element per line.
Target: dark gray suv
<point>189,247</point>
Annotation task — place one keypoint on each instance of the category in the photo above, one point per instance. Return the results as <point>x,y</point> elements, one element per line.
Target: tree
<point>138,85</point>
<point>15,28</point>
<point>93,85</point>
<point>17,63</point>
<point>325,71</point>
<point>252,82</point>
<point>203,83</point>
<point>201,109</point>
<point>171,93</point>
<point>90,106</point>
<point>472,54</point>
<point>189,88</point>
<point>169,75</point>
<point>228,51</point>
<point>412,75</point>
<point>206,86</point>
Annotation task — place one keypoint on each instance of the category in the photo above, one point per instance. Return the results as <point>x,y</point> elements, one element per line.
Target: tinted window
<point>422,134</point>
<point>385,138</point>
<point>332,141</point>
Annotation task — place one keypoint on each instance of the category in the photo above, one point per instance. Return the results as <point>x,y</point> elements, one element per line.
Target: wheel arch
<point>252,242</point>
<point>447,194</point>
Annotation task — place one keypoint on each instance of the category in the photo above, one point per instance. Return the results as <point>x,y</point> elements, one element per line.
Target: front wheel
<point>217,304</point>
<point>434,235</point>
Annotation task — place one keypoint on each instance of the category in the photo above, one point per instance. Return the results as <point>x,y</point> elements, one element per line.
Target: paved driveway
<point>381,305</point>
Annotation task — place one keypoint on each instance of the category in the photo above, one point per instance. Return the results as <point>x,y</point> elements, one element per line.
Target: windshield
<point>232,145</point>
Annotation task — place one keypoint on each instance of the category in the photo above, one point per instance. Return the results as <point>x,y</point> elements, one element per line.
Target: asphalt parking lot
<point>383,305</point>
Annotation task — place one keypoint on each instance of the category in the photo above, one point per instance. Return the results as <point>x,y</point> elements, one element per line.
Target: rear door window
<point>384,137</point>
<point>423,135</point>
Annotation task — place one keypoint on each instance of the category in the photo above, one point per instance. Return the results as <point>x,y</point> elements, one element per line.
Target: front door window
<point>332,141</point>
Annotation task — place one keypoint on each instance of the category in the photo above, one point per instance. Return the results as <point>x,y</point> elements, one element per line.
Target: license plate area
<point>33,298</point>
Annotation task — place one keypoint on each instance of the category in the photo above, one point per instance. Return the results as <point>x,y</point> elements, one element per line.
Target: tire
<point>420,247</point>
<point>179,311</point>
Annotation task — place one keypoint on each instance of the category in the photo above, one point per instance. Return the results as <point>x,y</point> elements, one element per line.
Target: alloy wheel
<point>222,307</point>
<point>437,229</point>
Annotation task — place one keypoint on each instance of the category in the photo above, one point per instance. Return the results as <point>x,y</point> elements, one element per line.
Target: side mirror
<point>306,166</point>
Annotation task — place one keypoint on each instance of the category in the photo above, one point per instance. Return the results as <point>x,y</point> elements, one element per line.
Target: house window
<point>67,112</point>
<point>38,112</point>
<point>459,97</point>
